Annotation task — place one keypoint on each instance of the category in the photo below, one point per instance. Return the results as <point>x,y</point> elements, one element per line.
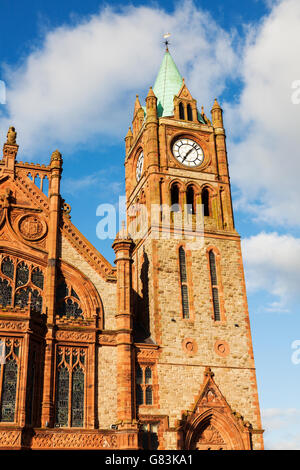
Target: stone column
<point>50,291</point>
<point>127,425</point>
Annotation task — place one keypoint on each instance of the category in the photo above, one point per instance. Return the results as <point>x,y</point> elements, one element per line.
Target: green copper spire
<point>167,85</point>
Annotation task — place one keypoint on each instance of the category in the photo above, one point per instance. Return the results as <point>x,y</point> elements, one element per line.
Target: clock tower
<point>194,376</point>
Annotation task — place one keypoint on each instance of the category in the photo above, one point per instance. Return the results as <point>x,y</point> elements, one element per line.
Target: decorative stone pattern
<point>73,440</point>
<point>32,227</point>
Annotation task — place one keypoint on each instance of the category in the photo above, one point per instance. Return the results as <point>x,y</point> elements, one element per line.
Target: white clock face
<point>188,152</point>
<point>139,166</point>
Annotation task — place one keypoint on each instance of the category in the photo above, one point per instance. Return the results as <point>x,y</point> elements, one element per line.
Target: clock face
<point>139,166</point>
<point>188,152</point>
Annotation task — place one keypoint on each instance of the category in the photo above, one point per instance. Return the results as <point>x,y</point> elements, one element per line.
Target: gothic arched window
<point>9,380</point>
<point>181,111</point>
<point>21,284</point>
<point>214,285</point>
<point>184,285</point>
<point>70,387</point>
<point>175,197</point>
<point>190,200</point>
<point>205,202</point>
<point>189,113</point>
<point>68,301</point>
<point>144,390</point>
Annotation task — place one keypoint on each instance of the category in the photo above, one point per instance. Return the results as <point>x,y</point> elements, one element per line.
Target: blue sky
<point>72,70</point>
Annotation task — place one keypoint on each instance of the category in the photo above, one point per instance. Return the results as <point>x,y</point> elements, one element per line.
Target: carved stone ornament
<point>32,227</point>
<point>222,348</point>
<point>210,436</point>
<point>73,440</point>
<point>11,136</point>
<point>56,156</point>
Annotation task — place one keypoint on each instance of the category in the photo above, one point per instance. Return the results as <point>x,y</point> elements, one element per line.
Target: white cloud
<point>272,264</point>
<point>265,163</point>
<point>80,84</point>
<point>282,430</point>
<point>98,181</point>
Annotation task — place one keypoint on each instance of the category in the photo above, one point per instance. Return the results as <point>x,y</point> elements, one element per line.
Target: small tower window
<point>214,286</point>
<point>205,202</point>
<point>144,390</point>
<point>189,113</point>
<point>184,286</point>
<point>175,197</point>
<point>190,200</point>
<point>181,111</point>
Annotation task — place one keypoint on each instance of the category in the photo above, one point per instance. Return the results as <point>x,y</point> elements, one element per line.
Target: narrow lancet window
<point>214,286</point>
<point>205,202</point>
<point>181,111</point>
<point>175,197</point>
<point>190,200</point>
<point>189,113</point>
<point>184,286</point>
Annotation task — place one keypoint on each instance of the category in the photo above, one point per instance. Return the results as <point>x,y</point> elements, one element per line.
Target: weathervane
<point>166,42</point>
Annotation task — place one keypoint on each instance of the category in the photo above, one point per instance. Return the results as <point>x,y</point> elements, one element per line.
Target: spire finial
<point>166,42</point>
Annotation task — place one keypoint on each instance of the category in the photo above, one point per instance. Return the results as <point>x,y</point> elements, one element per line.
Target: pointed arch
<point>212,425</point>
<point>175,197</point>
<point>189,112</point>
<point>181,111</point>
<point>191,199</point>
<point>206,201</point>
<point>214,430</point>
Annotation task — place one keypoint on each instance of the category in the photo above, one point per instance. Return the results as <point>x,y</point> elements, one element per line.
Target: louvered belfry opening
<point>184,286</point>
<point>214,285</point>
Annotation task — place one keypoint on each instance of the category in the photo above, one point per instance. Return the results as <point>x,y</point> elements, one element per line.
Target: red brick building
<point>155,352</point>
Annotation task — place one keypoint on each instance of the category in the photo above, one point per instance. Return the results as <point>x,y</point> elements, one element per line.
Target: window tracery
<point>70,387</point>
<point>144,389</point>
<point>68,301</point>
<point>8,380</point>
<point>21,283</point>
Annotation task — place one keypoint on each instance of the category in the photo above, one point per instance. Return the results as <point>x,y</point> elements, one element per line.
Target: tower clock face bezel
<point>188,152</point>
<point>139,166</point>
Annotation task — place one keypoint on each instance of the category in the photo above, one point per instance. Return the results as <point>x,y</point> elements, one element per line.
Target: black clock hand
<point>188,153</point>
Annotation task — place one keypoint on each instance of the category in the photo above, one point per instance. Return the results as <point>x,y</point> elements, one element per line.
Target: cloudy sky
<point>71,71</point>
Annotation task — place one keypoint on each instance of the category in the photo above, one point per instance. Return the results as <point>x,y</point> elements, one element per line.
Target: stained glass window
<point>7,267</point>
<point>62,397</point>
<point>22,297</point>
<point>9,391</point>
<point>67,306</point>
<point>36,301</point>
<point>27,276</point>
<point>22,274</point>
<point>70,309</point>
<point>77,397</point>
<point>70,387</point>
<point>5,292</point>
<point>37,278</point>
